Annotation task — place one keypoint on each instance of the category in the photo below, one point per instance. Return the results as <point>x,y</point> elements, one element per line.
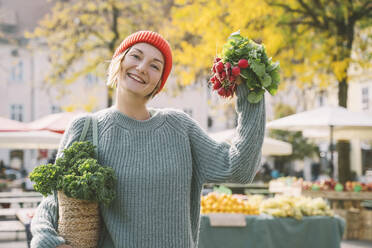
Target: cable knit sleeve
<point>215,162</point>
<point>44,225</point>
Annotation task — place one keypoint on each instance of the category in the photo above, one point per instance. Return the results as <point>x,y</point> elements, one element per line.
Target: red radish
<point>235,71</point>
<point>216,59</point>
<point>217,85</point>
<point>214,68</point>
<point>228,65</point>
<point>213,79</point>
<point>223,75</point>
<point>222,91</point>
<point>231,78</point>
<point>228,93</point>
<point>229,72</point>
<point>219,67</point>
<point>243,63</point>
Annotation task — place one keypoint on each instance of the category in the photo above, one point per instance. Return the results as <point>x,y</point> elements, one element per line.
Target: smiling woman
<point>161,157</point>
<point>139,69</point>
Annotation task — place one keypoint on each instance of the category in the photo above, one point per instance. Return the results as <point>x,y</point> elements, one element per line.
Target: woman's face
<point>141,69</point>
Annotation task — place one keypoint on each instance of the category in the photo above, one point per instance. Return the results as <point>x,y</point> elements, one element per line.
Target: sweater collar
<point>156,119</point>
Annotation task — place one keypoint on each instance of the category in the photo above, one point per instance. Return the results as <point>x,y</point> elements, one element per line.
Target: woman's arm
<point>216,162</point>
<point>43,225</point>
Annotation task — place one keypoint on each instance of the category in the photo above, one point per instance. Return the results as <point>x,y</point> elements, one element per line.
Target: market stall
<point>264,231</point>
<point>348,204</point>
<point>237,220</point>
<point>346,200</point>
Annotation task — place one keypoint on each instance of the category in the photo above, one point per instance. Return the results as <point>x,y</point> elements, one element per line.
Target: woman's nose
<point>141,67</point>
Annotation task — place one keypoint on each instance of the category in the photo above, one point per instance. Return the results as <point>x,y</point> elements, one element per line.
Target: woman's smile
<point>136,78</point>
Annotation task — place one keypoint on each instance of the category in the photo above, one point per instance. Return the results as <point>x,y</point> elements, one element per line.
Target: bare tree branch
<point>312,14</point>
<point>364,11</point>
<point>286,7</point>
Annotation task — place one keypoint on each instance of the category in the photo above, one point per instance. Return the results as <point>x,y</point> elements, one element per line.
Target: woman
<point>161,157</point>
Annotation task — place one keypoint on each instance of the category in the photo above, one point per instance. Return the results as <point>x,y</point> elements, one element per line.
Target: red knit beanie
<point>157,41</point>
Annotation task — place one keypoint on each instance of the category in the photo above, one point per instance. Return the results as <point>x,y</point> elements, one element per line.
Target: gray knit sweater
<point>161,164</point>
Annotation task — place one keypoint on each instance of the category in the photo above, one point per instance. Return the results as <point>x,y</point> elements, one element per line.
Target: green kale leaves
<point>78,174</point>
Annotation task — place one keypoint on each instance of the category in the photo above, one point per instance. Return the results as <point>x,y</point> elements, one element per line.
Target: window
<point>365,98</point>
<point>231,117</point>
<point>16,73</point>
<point>188,111</point>
<point>55,109</point>
<point>16,112</point>
<point>210,122</point>
<point>366,160</point>
<point>91,79</point>
<point>321,100</point>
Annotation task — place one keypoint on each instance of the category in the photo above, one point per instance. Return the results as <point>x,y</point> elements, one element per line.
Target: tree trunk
<point>109,96</point>
<point>344,172</point>
<point>343,147</point>
<point>342,93</point>
<point>112,46</point>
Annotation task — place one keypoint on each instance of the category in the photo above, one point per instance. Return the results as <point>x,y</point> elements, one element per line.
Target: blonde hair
<point>114,72</point>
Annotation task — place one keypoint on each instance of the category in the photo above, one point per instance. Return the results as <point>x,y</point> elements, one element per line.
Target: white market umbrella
<point>276,147</point>
<point>323,118</point>
<point>8,125</point>
<point>30,140</point>
<point>54,122</point>
<point>335,122</point>
<point>270,146</point>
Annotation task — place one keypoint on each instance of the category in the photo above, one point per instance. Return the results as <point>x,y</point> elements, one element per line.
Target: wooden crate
<point>366,225</point>
<point>341,200</point>
<point>344,195</point>
<point>345,204</point>
<point>353,222</point>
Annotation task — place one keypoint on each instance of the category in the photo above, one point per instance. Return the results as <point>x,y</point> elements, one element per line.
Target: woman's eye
<point>155,67</point>
<point>135,56</point>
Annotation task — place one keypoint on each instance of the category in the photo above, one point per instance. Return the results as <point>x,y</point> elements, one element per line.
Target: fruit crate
<point>343,195</point>
<point>353,222</point>
<point>366,225</point>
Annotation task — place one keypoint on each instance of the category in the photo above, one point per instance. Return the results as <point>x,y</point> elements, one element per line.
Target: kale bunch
<point>78,174</point>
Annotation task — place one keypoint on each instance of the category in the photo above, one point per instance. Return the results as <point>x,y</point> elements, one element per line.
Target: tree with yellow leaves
<point>312,39</point>
<point>331,27</point>
<point>200,28</point>
<point>81,35</point>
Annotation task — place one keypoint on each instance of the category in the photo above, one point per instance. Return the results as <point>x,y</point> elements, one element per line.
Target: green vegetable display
<point>78,174</point>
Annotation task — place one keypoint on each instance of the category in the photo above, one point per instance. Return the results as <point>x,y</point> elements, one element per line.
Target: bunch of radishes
<point>225,75</point>
<point>244,61</point>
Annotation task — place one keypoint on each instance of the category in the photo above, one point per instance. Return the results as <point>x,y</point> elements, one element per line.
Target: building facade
<point>25,95</point>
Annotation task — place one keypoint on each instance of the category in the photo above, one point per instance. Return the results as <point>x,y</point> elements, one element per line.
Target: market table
<point>34,201</point>
<point>264,231</point>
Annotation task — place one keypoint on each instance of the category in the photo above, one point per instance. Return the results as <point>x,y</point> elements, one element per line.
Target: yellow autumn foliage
<point>340,68</point>
<point>310,55</point>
